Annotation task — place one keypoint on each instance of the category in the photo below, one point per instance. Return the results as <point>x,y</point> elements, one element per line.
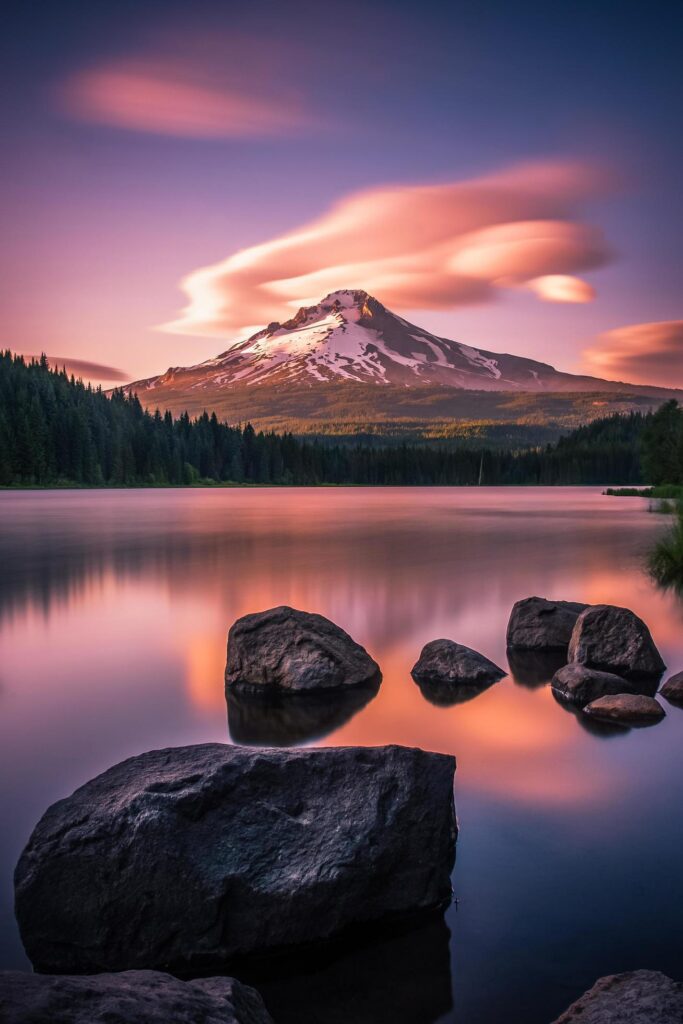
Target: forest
<point>57,431</point>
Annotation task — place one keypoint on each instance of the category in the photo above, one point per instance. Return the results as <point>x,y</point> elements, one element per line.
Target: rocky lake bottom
<point>114,611</point>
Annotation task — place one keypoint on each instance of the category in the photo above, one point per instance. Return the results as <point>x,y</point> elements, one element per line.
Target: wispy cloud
<point>84,368</point>
<point>421,246</point>
<point>643,353</point>
<point>182,96</point>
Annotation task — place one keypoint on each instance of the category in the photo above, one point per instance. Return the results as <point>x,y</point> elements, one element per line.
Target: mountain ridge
<point>349,335</point>
<point>348,360</point>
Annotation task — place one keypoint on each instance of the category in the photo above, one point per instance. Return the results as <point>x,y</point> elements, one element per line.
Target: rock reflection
<point>534,668</point>
<point>404,977</point>
<point>605,730</point>
<point>283,721</point>
<point>445,695</point>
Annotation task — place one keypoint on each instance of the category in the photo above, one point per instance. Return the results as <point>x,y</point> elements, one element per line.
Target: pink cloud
<point>172,96</point>
<point>644,353</point>
<point>419,246</point>
<point>83,368</point>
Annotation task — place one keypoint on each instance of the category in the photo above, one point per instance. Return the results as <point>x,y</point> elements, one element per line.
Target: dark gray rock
<point>615,640</point>
<point>184,859</point>
<point>537,624</point>
<point>637,997</point>
<point>448,672</point>
<point>285,650</point>
<point>626,709</point>
<point>673,689</point>
<point>580,685</point>
<point>132,997</point>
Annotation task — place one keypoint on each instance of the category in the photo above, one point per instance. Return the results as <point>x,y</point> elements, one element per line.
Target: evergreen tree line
<point>55,429</point>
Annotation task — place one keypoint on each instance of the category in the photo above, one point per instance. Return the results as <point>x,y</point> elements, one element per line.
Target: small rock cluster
<point>613,666</point>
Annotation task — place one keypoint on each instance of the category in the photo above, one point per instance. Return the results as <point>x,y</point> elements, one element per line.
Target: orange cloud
<point>170,96</point>
<point>421,246</point>
<point>644,353</point>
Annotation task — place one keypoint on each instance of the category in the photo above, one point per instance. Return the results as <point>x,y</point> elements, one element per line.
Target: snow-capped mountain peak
<point>350,336</point>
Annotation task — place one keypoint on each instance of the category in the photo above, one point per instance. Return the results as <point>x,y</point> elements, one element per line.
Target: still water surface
<point>114,609</point>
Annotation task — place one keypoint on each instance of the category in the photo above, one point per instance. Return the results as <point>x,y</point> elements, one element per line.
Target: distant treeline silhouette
<point>55,430</point>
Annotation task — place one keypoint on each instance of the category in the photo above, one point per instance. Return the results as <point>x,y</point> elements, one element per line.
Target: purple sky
<point>146,140</point>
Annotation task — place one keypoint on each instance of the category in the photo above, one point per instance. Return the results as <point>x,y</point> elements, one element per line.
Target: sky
<point>175,175</point>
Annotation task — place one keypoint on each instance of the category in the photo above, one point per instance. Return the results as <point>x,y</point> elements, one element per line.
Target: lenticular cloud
<point>414,247</point>
<point>649,353</point>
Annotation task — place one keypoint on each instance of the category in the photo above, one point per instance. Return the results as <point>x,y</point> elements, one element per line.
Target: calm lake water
<point>114,609</point>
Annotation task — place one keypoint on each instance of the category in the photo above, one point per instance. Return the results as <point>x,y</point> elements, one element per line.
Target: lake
<point>114,610</point>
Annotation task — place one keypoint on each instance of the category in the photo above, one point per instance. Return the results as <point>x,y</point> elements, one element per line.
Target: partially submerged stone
<point>453,669</point>
<point>673,689</point>
<point>131,997</point>
<point>284,650</point>
<point>537,624</point>
<point>637,997</point>
<point>615,640</point>
<point>183,859</point>
<point>580,685</point>
<point>626,709</point>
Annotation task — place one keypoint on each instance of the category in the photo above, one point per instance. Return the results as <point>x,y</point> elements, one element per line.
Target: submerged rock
<point>285,650</point>
<point>131,997</point>
<point>453,671</point>
<point>537,624</point>
<point>580,685</point>
<point>183,859</point>
<point>673,689</point>
<point>626,708</point>
<point>637,997</point>
<point>283,721</point>
<point>615,640</point>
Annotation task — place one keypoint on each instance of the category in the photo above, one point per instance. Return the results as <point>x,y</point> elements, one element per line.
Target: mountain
<point>349,362</point>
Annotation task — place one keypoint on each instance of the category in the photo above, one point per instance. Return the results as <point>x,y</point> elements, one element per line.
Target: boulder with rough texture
<point>132,997</point>
<point>615,640</point>
<point>673,689</point>
<point>186,858</point>
<point>637,997</point>
<point>580,685</point>
<point>537,624</point>
<point>283,650</point>
<point>451,666</point>
<point>626,709</point>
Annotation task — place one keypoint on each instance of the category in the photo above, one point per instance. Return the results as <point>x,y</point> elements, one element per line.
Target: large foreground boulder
<point>132,997</point>
<point>637,997</point>
<point>448,672</point>
<point>580,685</point>
<point>537,624</point>
<point>626,709</point>
<point>288,651</point>
<point>184,859</point>
<point>673,689</point>
<point>615,640</point>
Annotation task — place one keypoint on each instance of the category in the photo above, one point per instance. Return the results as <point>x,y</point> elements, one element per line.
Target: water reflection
<point>534,668</point>
<point>404,977</point>
<point>283,721</point>
<point>114,612</point>
<point>447,695</point>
